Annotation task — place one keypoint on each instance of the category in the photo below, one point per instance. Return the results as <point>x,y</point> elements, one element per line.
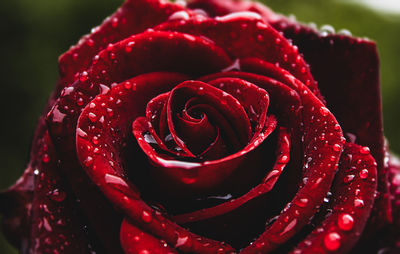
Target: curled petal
<point>133,17</point>
<point>105,167</point>
<point>266,43</point>
<point>353,194</point>
<point>268,183</point>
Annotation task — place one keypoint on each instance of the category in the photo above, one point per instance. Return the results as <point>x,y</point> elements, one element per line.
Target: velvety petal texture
<point>212,126</point>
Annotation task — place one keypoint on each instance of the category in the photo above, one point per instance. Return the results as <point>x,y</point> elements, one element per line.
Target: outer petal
<point>353,195</point>
<point>56,225</point>
<point>348,80</point>
<point>133,17</point>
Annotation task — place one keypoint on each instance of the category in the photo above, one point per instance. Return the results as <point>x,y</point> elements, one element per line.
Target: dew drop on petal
<point>88,161</point>
<point>283,159</point>
<point>364,150</point>
<point>128,85</point>
<point>359,203</point>
<point>92,117</point>
<point>332,241</point>
<point>84,76</point>
<point>363,174</point>
<point>46,158</point>
<point>348,178</point>
<point>302,202</point>
<point>146,216</point>
<point>336,147</point>
<point>345,222</point>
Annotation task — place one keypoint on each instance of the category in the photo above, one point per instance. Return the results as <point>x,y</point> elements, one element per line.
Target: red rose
<point>201,129</point>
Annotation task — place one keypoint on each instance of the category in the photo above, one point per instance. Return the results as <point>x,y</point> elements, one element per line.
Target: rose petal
<point>133,17</point>
<point>222,108</point>
<point>266,43</point>
<point>268,183</point>
<point>105,167</point>
<point>353,194</point>
<point>318,121</point>
<point>56,224</point>
<point>151,51</point>
<point>355,63</point>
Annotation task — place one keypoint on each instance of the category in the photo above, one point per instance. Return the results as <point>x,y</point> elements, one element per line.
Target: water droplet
<point>146,216</point>
<point>336,147</point>
<point>179,15</point>
<point>104,89</point>
<point>46,158</point>
<point>332,241</point>
<point>95,140</point>
<point>46,225</point>
<point>90,42</point>
<point>58,117</point>
<point>348,178</point>
<point>326,30</point>
<point>92,117</point>
<point>129,46</point>
<point>345,32</point>
<point>324,111</point>
<point>345,222</point>
<point>363,174</point>
<point>112,179</point>
<point>128,85</point>
<point>283,159</point>
<point>110,112</point>
<point>239,15</point>
<point>302,202</point>
<point>114,22</point>
<point>79,102</point>
<point>359,203</point>
<point>84,76</point>
<point>81,133</point>
<point>88,161</point>
<point>364,150</point>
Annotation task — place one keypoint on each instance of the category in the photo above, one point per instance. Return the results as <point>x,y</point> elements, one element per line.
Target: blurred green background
<point>35,33</point>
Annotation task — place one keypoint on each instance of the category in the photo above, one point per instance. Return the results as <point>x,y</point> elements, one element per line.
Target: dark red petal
<point>355,65</point>
<point>253,99</point>
<point>134,240</point>
<point>56,225</point>
<point>268,183</point>
<point>133,17</point>
<point>321,156</point>
<point>224,108</point>
<point>105,167</point>
<point>283,98</point>
<point>151,51</point>
<point>236,32</point>
<point>194,176</point>
<point>353,194</point>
